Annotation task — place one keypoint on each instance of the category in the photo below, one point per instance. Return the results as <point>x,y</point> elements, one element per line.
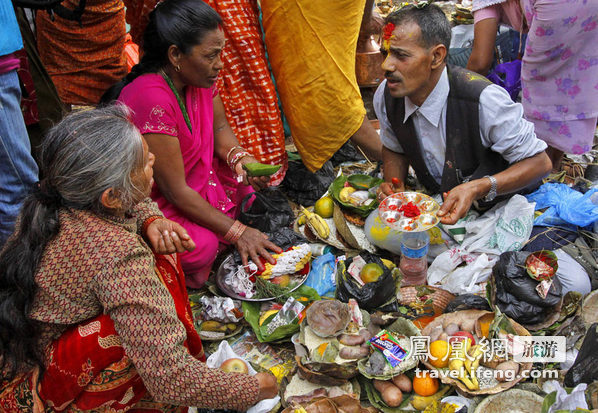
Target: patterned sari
<point>88,370</point>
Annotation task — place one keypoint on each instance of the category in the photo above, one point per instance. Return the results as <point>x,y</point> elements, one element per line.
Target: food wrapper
<point>224,353</point>
<point>288,314</point>
<point>390,348</point>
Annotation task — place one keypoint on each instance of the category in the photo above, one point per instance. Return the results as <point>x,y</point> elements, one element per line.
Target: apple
<point>282,280</point>
<point>235,365</point>
<point>462,335</point>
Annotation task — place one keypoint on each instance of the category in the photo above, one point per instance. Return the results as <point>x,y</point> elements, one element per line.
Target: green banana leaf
<point>251,312</point>
<point>358,181</point>
<point>375,398</point>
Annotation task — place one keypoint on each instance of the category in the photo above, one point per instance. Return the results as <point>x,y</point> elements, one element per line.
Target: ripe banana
<point>421,402</point>
<point>472,363</point>
<point>213,326</point>
<point>316,224</point>
<point>457,362</point>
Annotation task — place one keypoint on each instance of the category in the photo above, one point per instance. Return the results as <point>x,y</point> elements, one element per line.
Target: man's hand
<point>167,237</point>
<point>388,188</point>
<point>458,201</point>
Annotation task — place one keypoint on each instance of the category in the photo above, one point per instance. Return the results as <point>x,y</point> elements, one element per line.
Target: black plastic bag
<point>585,367</point>
<point>516,294</point>
<point>377,295</point>
<point>346,153</point>
<point>270,210</point>
<point>467,302</point>
<point>305,187</point>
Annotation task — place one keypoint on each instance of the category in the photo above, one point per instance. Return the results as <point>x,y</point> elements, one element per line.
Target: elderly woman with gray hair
<point>92,317</point>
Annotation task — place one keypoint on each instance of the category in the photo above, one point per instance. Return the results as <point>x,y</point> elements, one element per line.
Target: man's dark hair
<point>435,27</point>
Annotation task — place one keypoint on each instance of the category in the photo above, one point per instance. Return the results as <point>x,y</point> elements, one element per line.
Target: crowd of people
<point>136,197</point>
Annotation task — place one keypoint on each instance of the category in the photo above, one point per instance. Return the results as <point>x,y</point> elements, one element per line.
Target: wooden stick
<point>364,155</point>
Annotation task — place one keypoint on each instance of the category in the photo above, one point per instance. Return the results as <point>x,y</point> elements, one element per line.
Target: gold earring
<point>178,68</point>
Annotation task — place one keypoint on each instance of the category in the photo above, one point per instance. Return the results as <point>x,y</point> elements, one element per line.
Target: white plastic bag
<point>568,402</point>
<point>446,273</point>
<point>224,353</point>
<point>505,227</point>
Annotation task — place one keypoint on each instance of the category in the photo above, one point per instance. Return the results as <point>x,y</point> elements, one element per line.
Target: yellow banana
<point>458,362</point>
<point>213,326</point>
<point>316,224</point>
<point>421,402</point>
<point>472,363</point>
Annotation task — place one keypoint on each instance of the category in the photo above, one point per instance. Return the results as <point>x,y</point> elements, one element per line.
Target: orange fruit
<point>439,354</point>
<point>371,272</point>
<point>424,385</point>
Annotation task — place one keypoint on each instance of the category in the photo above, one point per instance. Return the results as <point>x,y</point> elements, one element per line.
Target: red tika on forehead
<point>387,31</point>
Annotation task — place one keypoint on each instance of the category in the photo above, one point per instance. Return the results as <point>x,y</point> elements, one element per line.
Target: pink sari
<point>156,111</point>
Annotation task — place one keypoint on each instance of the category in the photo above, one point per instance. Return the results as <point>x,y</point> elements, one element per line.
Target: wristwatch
<point>492,192</point>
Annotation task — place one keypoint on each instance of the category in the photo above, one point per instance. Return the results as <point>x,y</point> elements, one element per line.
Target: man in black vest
<point>463,135</point>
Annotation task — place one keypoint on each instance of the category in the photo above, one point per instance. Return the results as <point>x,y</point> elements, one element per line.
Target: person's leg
<point>18,170</point>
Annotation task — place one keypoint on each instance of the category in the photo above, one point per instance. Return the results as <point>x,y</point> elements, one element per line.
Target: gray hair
<point>90,151</point>
<point>435,27</point>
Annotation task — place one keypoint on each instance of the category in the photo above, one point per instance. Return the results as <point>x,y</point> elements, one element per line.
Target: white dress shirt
<point>502,126</point>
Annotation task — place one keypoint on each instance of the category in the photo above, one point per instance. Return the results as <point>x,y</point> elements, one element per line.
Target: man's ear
<point>438,55</point>
<point>110,201</point>
<point>174,55</point>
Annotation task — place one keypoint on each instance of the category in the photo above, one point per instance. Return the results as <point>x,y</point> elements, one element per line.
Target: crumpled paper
<point>569,402</point>
<point>224,353</point>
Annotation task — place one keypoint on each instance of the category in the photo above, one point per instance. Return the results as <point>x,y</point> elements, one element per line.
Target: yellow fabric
<point>311,46</point>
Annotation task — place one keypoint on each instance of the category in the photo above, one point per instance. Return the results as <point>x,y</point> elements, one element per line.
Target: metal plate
<point>221,273</point>
<point>391,214</point>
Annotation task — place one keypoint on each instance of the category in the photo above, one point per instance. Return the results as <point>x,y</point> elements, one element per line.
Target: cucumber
<point>260,169</point>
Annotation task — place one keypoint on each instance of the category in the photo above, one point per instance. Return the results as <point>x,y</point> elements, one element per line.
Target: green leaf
<point>339,183</point>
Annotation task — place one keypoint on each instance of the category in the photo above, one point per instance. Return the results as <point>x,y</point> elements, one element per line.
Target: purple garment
<point>560,72</point>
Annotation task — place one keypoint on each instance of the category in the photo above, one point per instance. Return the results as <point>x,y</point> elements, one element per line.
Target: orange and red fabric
<point>84,60</point>
<point>246,87</point>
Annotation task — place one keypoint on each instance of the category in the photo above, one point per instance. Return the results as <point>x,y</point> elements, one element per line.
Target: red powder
<point>410,210</point>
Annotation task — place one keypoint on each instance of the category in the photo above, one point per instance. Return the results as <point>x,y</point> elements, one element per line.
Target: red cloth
<point>87,367</point>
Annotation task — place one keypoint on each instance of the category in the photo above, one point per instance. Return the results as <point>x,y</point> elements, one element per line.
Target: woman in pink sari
<point>559,73</point>
<point>198,159</point>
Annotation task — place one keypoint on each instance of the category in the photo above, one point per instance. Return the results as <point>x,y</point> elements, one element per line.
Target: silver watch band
<point>492,192</point>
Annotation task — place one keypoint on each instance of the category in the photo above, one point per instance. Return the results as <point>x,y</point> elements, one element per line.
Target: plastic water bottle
<point>414,258</point>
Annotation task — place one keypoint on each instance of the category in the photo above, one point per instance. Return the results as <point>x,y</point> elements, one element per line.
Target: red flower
<point>387,31</point>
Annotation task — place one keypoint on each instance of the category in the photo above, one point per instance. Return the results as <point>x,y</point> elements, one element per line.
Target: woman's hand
<point>254,244</point>
<point>257,182</point>
<point>268,385</point>
<point>167,237</point>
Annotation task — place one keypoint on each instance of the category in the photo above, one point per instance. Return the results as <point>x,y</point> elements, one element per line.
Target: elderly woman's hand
<point>253,244</point>
<point>257,182</point>
<point>167,237</point>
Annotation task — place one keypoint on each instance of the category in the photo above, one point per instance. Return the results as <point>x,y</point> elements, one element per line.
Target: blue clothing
<point>18,170</point>
<point>10,35</point>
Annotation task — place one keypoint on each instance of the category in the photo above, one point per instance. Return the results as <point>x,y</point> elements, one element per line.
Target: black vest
<point>465,157</point>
